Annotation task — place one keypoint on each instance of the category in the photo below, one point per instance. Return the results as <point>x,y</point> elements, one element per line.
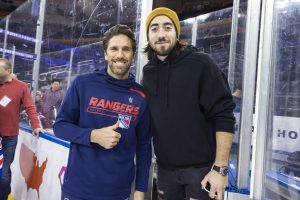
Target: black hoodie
<point>190,100</point>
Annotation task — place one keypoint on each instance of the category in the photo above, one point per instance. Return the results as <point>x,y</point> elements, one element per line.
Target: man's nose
<point>120,53</point>
<point>161,33</point>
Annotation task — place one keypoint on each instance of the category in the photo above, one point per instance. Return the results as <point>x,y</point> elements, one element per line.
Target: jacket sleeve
<point>66,124</point>
<point>143,151</point>
<point>215,98</point>
<point>58,104</point>
<point>30,108</point>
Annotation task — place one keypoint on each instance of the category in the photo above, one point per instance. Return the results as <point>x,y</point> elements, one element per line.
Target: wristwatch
<point>222,170</point>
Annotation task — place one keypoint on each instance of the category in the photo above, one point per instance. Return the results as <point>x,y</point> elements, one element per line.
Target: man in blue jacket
<point>192,113</point>
<point>106,118</point>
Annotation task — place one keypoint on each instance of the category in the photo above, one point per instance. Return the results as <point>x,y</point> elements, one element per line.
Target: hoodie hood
<point>162,70</point>
<point>175,55</point>
<point>124,83</point>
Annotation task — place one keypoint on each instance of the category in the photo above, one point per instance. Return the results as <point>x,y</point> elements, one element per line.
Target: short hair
<point>119,29</point>
<point>38,93</point>
<point>55,80</point>
<point>6,62</point>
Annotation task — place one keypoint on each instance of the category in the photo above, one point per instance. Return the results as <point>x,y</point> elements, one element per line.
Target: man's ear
<point>105,56</point>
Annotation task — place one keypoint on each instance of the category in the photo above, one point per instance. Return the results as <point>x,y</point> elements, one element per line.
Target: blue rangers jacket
<point>94,101</point>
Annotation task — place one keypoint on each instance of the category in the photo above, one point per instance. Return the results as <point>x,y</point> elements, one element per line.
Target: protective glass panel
<point>71,40</point>
<point>186,28</point>
<point>2,35</point>
<point>214,35</point>
<point>282,177</point>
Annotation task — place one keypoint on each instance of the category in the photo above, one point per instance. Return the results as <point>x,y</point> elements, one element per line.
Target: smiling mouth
<point>161,42</point>
<point>119,62</point>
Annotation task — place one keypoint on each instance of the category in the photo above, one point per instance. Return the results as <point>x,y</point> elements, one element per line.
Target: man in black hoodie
<point>192,113</point>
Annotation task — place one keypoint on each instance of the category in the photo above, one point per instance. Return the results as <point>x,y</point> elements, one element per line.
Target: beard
<point>162,50</point>
<point>119,70</point>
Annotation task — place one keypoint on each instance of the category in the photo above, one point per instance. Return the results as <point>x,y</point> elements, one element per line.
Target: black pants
<point>181,184</point>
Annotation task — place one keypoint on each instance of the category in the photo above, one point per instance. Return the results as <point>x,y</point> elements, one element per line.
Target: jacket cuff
<point>35,125</point>
<point>87,134</point>
<point>225,126</point>
<point>141,188</point>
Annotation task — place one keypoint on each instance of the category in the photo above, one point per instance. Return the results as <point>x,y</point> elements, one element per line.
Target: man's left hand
<point>218,183</point>
<point>36,131</point>
<point>138,195</point>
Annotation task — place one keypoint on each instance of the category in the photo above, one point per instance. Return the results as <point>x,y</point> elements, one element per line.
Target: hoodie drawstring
<point>156,82</point>
<point>167,85</point>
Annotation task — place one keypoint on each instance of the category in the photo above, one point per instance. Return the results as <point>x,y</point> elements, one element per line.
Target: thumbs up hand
<point>106,137</point>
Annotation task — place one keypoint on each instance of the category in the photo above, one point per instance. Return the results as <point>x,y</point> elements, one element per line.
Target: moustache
<point>162,40</point>
<point>120,60</point>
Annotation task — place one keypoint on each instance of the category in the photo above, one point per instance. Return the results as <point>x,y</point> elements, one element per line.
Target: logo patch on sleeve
<point>124,121</point>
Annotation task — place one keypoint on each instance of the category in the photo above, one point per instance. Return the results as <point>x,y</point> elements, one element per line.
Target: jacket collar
<point>125,83</point>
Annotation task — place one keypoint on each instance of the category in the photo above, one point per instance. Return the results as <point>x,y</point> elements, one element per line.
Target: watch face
<point>224,171</point>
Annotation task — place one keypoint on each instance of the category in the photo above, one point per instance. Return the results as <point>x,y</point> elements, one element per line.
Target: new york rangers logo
<point>124,121</point>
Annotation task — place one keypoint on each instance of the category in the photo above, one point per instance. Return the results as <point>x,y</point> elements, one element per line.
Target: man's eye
<point>153,29</point>
<point>126,49</point>
<point>168,28</point>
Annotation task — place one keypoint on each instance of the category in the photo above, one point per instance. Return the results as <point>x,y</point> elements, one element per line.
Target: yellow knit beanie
<point>163,11</point>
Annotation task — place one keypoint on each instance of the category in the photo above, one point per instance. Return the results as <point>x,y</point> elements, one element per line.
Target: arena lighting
<point>52,61</point>
<point>31,39</point>
<point>49,61</point>
<point>44,59</point>
<point>18,53</point>
<point>18,35</point>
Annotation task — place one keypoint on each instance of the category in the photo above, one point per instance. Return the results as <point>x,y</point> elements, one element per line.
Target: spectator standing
<point>51,102</point>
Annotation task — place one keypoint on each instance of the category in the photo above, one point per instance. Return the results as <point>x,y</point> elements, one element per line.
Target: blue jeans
<point>9,144</point>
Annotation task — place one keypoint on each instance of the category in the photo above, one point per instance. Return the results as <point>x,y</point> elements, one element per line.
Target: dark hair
<point>119,29</point>
<point>6,62</point>
<point>151,54</point>
<point>55,80</point>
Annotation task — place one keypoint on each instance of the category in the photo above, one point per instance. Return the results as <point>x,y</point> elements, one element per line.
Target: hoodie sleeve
<point>143,151</point>
<point>215,97</point>
<point>30,108</point>
<point>66,124</point>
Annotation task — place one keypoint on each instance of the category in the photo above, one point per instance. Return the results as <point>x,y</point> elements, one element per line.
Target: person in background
<point>237,95</point>
<point>106,118</point>
<point>191,113</point>
<point>38,101</point>
<point>14,94</point>
<point>51,102</point>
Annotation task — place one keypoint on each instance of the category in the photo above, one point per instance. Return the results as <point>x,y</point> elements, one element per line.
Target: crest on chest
<point>124,121</point>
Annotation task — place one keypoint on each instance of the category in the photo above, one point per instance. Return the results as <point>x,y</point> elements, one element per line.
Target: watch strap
<point>222,170</point>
